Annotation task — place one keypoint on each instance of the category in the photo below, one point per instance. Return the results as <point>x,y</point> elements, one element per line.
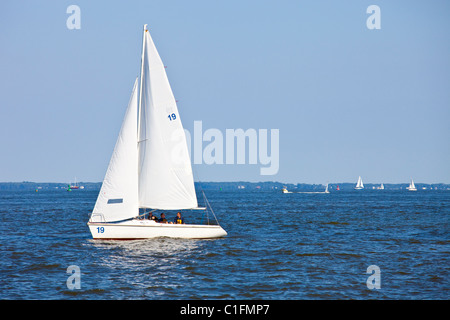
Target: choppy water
<point>279,246</point>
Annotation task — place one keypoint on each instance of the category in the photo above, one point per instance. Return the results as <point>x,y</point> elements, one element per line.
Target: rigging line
<point>211,210</point>
<point>205,199</point>
<point>194,172</point>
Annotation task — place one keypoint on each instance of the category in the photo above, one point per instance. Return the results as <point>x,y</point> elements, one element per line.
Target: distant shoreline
<point>237,185</point>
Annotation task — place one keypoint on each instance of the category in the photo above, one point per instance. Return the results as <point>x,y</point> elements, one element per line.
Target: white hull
<point>146,229</point>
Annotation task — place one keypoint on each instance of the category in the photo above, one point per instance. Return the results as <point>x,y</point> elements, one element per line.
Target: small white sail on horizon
<point>411,186</point>
<point>359,184</point>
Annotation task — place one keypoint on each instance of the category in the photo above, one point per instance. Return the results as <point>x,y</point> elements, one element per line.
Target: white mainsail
<point>359,184</point>
<point>118,198</point>
<point>165,173</point>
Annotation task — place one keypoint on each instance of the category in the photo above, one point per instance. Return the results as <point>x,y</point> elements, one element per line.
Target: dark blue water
<point>279,246</point>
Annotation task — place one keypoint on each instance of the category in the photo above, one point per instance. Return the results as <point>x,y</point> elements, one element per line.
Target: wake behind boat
<point>284,190</point>
<point>326,191</point>
<point>150,166</point>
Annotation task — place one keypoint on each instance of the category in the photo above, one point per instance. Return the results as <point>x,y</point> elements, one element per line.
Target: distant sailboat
<point>75,186</point>
<point>150,166</point>
<point>381,187</point>
<point>285,190</point>
<point>360,184</point>
<point>412,187</point>
<point>326,189</point>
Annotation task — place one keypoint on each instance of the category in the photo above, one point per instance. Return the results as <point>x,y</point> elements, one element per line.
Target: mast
<point>140,85</point>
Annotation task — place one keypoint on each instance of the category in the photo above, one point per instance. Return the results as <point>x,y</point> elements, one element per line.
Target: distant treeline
<point>240,185</point>
<point>271,185</point>
<point>28,185</point>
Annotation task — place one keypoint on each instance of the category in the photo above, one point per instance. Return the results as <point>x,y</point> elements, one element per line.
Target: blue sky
<point>347,100</point>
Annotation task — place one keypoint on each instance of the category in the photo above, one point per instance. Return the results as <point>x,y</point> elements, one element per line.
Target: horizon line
<point>238,181</point>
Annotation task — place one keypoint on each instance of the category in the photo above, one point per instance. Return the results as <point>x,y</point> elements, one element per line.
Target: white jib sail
<point>165,172</point>
<point>118,197</point>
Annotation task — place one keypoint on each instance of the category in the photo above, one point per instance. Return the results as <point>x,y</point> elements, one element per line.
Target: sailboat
<point>359,184</point>
<point>411,186</point>
<point>285,190</point>
<point>381,187</point>
<point>74,186</point>
<point>150,168</point>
